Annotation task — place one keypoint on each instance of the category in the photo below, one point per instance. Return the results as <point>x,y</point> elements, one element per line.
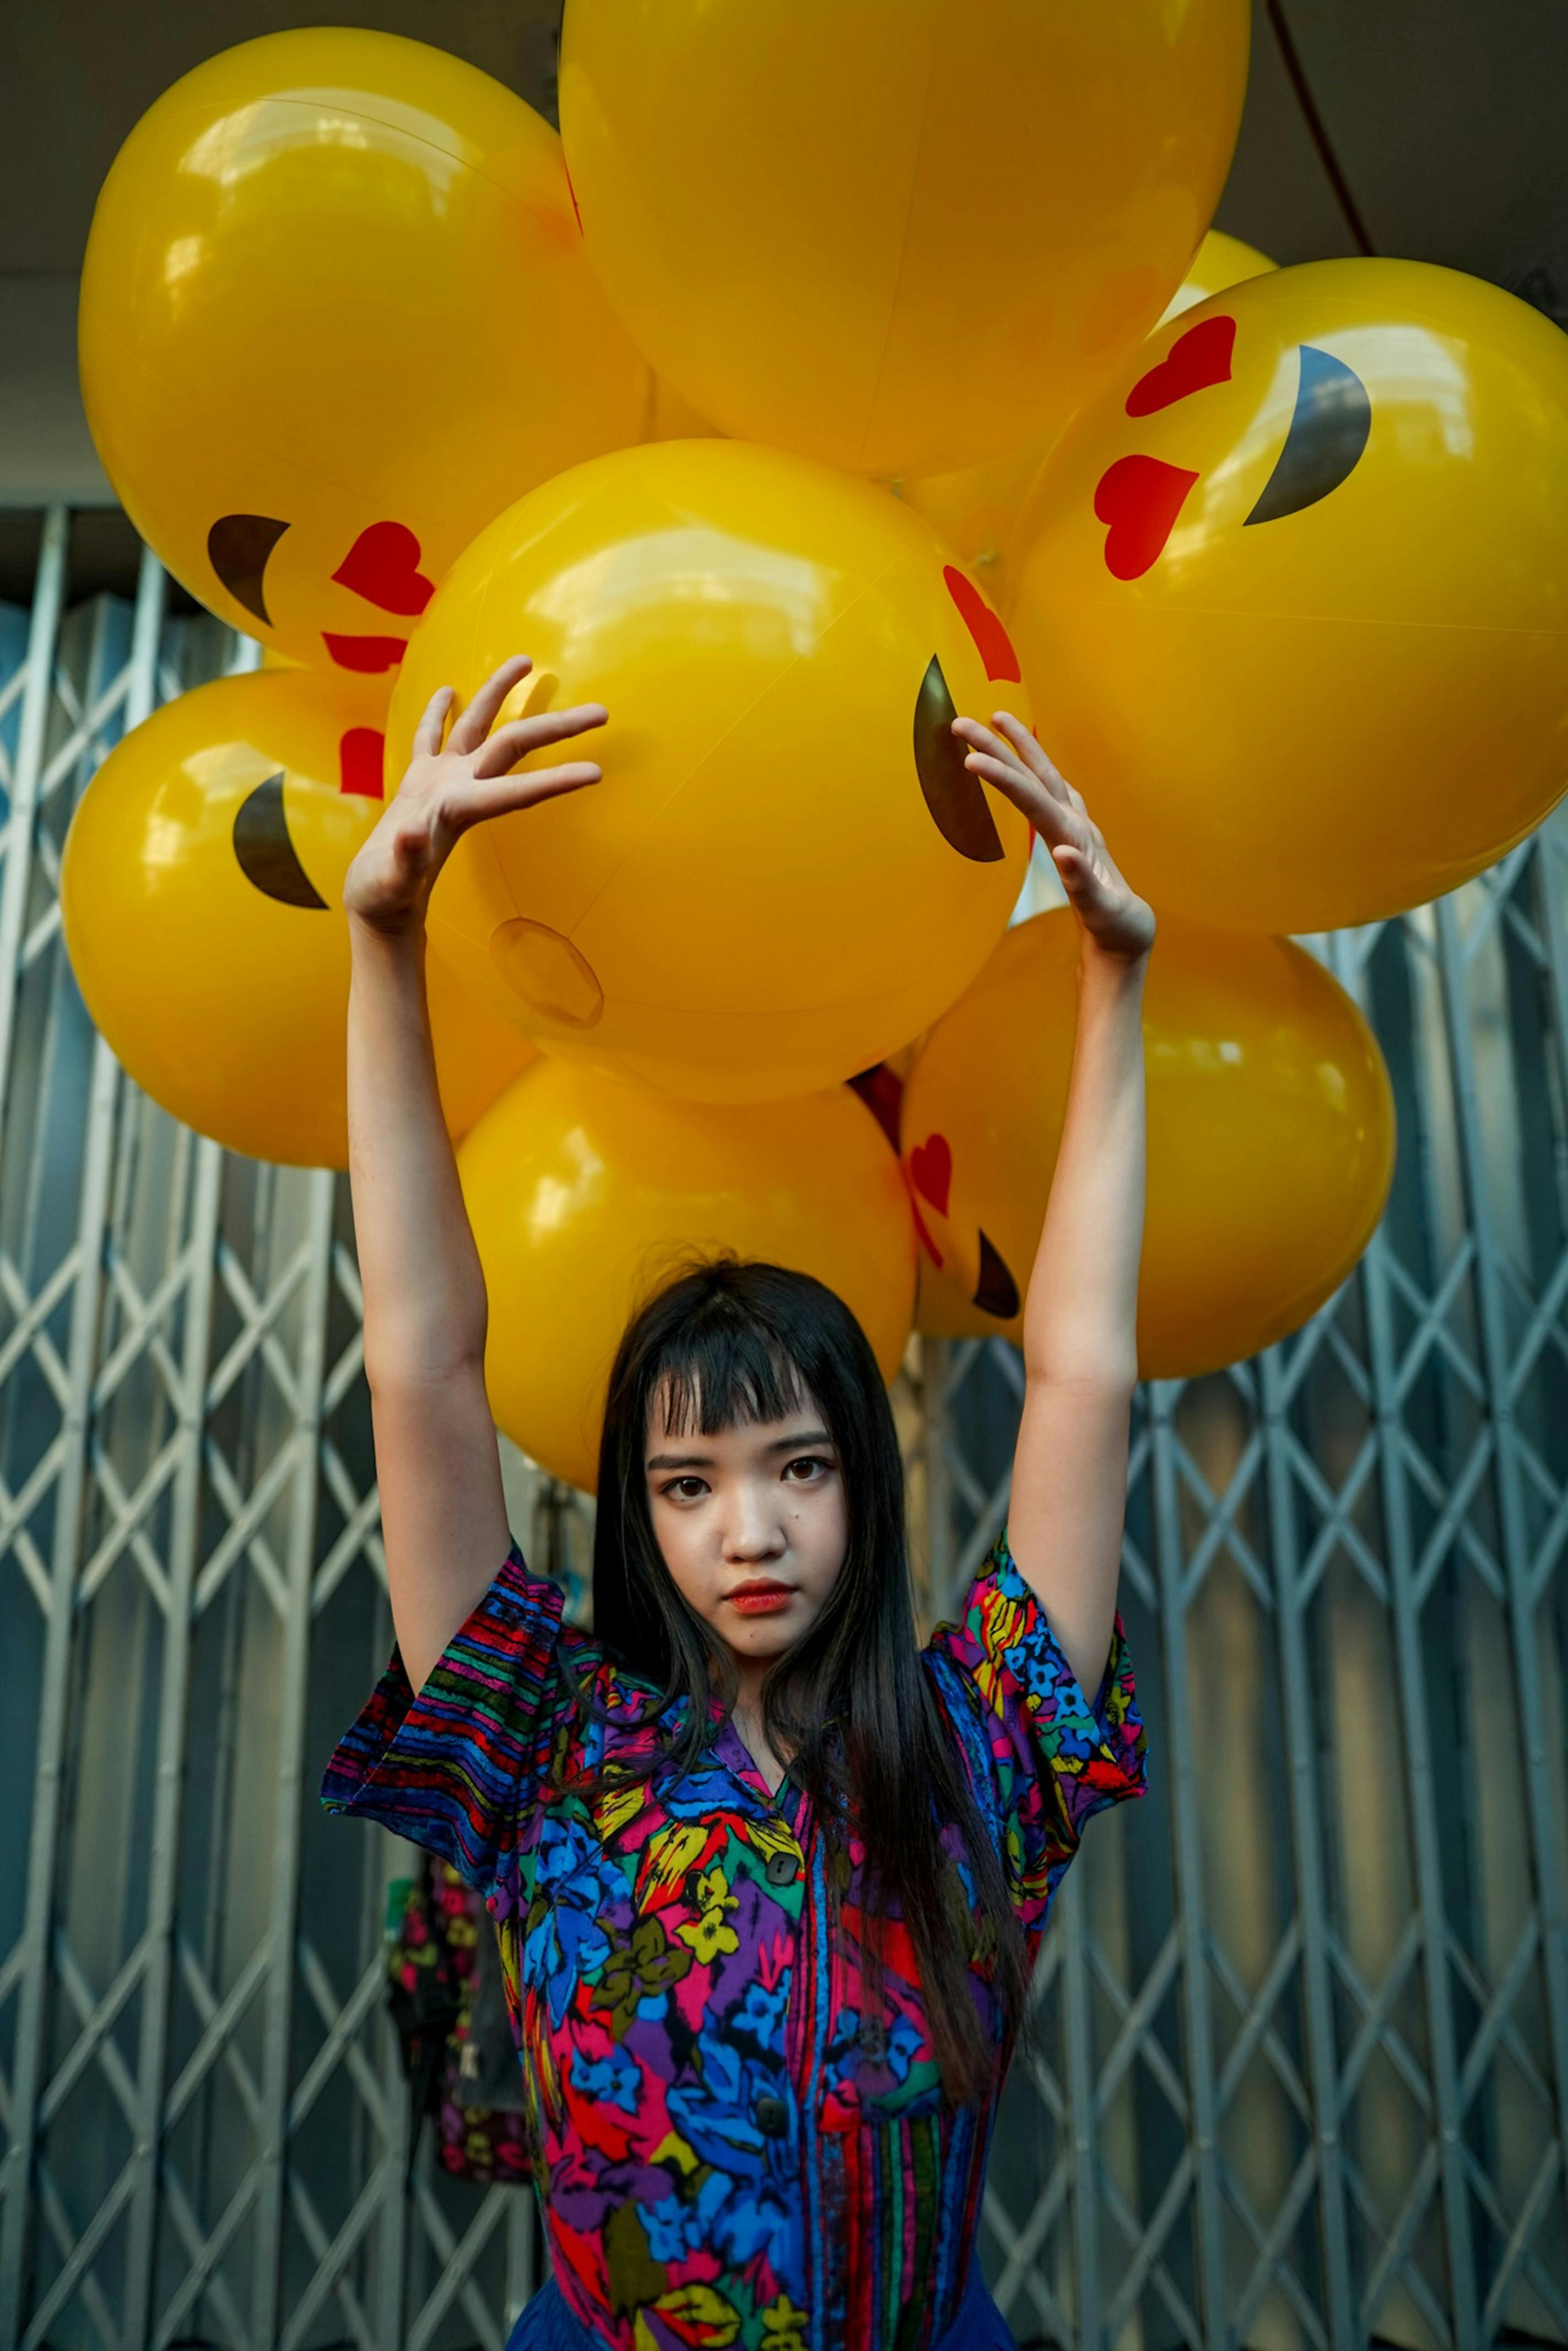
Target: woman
<point>768,1878</point>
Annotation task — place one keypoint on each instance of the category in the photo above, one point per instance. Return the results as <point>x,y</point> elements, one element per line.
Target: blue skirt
<point>546,2325</point>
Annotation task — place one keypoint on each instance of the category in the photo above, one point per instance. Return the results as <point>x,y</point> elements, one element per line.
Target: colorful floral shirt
<point>731,2150</point>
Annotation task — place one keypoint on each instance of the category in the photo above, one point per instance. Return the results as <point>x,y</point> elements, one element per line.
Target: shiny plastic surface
<point>1296,597</point>
<point>336,314</point>
<point>585,1194</point>
<point>787,871</point>
<point>977,510</point>
<point>904,236</point>
<point>1271,1138</point>
<point>201,896</point>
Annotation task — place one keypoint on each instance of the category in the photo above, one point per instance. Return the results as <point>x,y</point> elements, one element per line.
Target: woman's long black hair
<point>850,1704</point>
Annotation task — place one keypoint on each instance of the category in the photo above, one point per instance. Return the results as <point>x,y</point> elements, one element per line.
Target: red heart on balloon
<point>382,566</point>
<point>1139,497</point>
<point>1194,361</point>
<point>931,1171</point>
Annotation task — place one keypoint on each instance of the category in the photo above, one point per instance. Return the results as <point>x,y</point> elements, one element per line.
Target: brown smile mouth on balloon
<point>953,792</point>
<point>996,1292</point>
<point>268,857</point>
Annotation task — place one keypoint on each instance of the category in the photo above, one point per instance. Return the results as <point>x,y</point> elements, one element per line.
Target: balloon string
<point>1317,128</point>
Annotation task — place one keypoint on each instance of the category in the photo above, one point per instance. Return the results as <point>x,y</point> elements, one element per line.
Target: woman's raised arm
<point>1070,1471</point>
<point>443,1518</point>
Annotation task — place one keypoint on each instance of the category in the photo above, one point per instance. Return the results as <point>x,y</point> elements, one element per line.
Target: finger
<point>470,730</point>
<point>427,734</point>
<point>1051,818</point>
<point>979,738</point>
<point>489,796</point>
<point>520,737</point>
<point>1029,748</point>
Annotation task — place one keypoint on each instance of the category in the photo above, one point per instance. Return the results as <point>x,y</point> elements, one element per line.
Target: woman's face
<point>752,1524</point>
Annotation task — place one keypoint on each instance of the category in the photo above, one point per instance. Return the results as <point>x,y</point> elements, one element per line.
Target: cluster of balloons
<point>762,408</point>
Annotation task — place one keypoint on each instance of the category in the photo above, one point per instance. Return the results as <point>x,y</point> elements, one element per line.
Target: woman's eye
<point>687,1489</point>
<point>809,1468</point>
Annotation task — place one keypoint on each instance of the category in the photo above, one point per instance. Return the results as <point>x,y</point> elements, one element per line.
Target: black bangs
<point>722,1369</point>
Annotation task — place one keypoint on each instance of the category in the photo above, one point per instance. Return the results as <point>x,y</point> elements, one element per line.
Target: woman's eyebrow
<point>791,1444</point>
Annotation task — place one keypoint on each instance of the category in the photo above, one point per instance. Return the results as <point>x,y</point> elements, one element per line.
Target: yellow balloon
<point>201,897</point>
<point>975,510</point>
<point>1295,596</point>
<point>787,870</point>
<point>585,1195</point>
<point>804,218</point>
<point>943,1310</point>
<point>335,315</point>
<point>1271,1136</point>
<point>1219,262</point>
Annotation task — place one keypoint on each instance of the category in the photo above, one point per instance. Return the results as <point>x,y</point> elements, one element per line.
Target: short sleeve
<point>1051,1757</point>
<point>452,1768</point>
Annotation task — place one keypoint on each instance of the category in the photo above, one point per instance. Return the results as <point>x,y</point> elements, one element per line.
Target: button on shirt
<point>729,2149</point>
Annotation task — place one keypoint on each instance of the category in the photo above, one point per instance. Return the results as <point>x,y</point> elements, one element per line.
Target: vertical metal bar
<point>1515,1539</point>
<point>279,2017</point>
<point>43,638</point>
<point>1383,1356</point>
<point>936,1372</point>
<point>1311,1893</point>
<point>43,1854</point>
<point>1187,1858</point>
<point>43,1851</point>
<point>164,1865</point>
<point>1070,1921</point>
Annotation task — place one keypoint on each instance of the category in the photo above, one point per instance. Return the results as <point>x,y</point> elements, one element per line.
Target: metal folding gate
<point>1304,2055</point>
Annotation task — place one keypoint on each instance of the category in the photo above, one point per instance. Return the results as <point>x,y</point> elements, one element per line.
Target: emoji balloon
<point>585,1195</point>
<point>201,897</point>
<point>335,315</point>
<point>1271,1137</point>
<point>975,510</point>
<point>1296,595</point>
<point>787,210</point>
<point>787,870</point>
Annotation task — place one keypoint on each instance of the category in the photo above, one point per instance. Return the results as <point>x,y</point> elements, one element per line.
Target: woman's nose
<point>752,1529</point>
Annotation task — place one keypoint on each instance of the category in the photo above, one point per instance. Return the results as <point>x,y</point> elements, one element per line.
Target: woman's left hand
<point>1112,914</point>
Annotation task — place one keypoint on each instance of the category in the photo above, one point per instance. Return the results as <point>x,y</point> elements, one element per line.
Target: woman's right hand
<point>452,785</point>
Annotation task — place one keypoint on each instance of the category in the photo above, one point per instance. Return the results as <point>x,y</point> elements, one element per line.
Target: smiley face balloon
<point>1296,595</point>
<point>787,871</point>
<point>201,897</point>
<point>977,511</point>
<point>584,1196</point>
<point>899,235</point>
<point>1271,1138</point>
<point>336,314</point>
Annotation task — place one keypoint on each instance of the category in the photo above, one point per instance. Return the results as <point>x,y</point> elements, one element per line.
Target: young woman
<point>768,1878</point>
